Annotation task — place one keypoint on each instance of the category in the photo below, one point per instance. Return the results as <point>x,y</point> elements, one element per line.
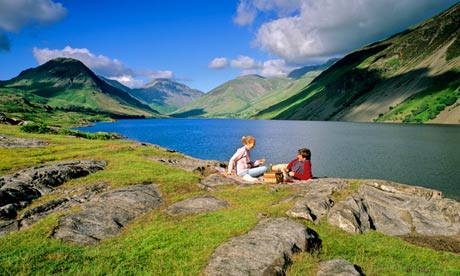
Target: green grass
<point>422,107</point>
<point>156,244</point>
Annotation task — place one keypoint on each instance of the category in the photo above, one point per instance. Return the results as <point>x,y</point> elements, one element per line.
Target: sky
<point>201,43</point>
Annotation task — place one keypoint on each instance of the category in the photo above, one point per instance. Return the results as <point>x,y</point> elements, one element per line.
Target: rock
<point>214,180</point>
<point>8,226</point>
<point>78,195</point>
<point>22,187</point>
<point>196,205</point>
<point>397,210</point>
<point>13,142</point>
<point>265,250</point>
<point>316,203</point>
<point>104,215</point>
<point>351,216</point>
<point>336,267</point>
<point>187,163</point>
<point>8,121</point>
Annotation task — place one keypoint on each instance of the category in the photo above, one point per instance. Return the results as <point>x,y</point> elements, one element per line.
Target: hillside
<point>412,76</point>
<point>166,95</point>
<point>232,97</point>
<point>68,85</point>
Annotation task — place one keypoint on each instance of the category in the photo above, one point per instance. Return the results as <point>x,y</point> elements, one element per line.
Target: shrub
<point>37,128</point>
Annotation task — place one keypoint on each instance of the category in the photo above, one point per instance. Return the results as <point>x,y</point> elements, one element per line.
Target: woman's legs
<point>257,171</point>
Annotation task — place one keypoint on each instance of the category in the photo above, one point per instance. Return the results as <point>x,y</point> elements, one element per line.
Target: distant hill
<point>233,97</point>
<point>67,84</point>
<point>412,76</point>
<point>166,95</point>
<point>301,72</point>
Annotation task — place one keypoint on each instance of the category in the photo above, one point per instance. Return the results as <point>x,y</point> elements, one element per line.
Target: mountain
<point>67,84</point>
<point>298,73</point>
<point>412,76</point>
<point>231,98</point>
<point>166,95</point>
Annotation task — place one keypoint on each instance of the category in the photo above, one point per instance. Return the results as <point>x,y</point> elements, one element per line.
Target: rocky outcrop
<point>265,250</point>
<point>75,196</point>
<point>337,267</point>
<point>397,210</point>
<point>19,189</point>
<point>196,205</point>
<point>187,163</point>
<point>107,213</point>
<point>14,142</point>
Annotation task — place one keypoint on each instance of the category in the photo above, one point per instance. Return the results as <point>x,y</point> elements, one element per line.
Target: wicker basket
<point>273,177</point>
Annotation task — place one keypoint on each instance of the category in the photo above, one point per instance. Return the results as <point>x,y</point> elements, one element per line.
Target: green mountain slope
<point>231,98</point>
<point>166,95</point>
<point>67,84</point>
<point>413,76</point>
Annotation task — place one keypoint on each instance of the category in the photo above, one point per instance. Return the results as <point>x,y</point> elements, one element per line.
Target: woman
<point>241,160</point>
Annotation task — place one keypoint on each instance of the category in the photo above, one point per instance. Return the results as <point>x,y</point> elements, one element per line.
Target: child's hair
<point>246,140</point>
<point>305,153</point>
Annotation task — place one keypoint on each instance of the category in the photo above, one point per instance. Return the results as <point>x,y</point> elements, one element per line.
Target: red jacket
<point>306,170</point>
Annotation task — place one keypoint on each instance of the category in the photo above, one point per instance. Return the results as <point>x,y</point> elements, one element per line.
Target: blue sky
<point>201,43</point>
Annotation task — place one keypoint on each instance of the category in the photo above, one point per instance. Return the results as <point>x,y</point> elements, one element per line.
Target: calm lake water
<point>422,155</point>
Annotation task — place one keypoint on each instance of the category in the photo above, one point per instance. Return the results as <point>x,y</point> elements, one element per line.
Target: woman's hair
<point>246,140</point>
<point>305,153</point>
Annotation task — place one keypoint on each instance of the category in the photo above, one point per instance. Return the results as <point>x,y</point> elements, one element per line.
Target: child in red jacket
<point>299,168</point>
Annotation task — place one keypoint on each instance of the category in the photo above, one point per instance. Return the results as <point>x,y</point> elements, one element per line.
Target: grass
<point>423,106</point>
<point>156,244</point>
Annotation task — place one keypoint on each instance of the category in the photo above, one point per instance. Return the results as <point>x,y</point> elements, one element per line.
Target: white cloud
<point>244,62</point>
<point>300,31</point>
<point>128,81</point>
<point>218,63</point>
<point>102,65</point>
<point>245,14</point>
<point>270,68</point>
<point>275,68</point>
<point>152,74</point>
<point>18,14</point>
<point>247,10</point>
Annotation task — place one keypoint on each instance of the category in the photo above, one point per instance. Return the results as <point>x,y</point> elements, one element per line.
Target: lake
<point>422,155</point>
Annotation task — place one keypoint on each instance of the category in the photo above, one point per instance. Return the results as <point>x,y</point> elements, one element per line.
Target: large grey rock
<point>104,215</point>
<point>351,215</point>
<point>316,202</point>
<point>19,189</point>
<point>265,250</point>
<point>196,205</point>
<point>337,267</point>
<point>397,210</point>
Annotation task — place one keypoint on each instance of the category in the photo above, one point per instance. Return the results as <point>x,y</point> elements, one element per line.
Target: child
<point>299,168</point>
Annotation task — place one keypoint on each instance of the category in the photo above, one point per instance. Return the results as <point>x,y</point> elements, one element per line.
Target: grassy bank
<point>156,244</point>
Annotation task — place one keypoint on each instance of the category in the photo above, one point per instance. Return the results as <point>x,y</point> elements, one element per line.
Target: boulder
<point>107,213</point>
<point>196,205</point>
<point>265,250</point>
<point>337,267</point>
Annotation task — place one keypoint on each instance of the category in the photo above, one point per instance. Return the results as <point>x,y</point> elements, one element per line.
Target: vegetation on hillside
<point>409,77</point>
<point>67,86</point>
<point>156,244</point>
<point>233,98</point>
